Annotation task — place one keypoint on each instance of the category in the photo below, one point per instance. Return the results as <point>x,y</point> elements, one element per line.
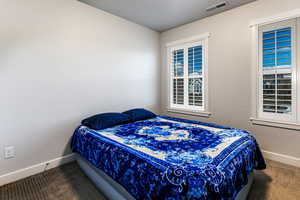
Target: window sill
<point>190,112</point>
<point>271,123</point>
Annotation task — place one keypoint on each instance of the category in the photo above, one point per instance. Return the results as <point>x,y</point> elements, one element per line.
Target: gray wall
<point>230,71</point>
<point>61,61</point>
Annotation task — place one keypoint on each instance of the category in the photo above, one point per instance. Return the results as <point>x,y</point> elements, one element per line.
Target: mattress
<point>170,158</point>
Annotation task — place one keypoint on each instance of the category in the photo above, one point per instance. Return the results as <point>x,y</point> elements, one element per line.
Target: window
<point>276,75</point>
<point>276,70</point>
<point>188,75</point>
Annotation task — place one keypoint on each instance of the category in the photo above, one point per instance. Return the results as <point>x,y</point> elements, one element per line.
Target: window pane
<point>277,93</point>
<point>178,91</point>
<point>277,48</point>
<point>195,92</point>
<point>195,60</point>
<point>178,62</point>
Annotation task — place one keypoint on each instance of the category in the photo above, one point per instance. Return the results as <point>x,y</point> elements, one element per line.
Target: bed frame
<point>114,191</point>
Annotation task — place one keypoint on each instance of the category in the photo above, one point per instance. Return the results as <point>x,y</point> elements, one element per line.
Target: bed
<point>169,158</point>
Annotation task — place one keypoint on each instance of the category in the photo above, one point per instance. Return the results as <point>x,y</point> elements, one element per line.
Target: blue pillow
<point>105,120</point>
<point>139,114</point>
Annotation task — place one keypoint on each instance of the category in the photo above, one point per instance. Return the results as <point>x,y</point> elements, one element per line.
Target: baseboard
<point>289,160</point>
<point>35,169</point>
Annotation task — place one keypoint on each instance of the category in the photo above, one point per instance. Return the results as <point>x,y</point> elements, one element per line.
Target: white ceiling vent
<point>216,6</point>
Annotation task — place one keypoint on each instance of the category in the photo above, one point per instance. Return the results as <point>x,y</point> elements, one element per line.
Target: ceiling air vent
<point>219,5</point>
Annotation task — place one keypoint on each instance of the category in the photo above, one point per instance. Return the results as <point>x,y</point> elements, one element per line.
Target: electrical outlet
<point>9,152</point>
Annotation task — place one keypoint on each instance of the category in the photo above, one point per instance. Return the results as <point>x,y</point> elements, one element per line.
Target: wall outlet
<point>9,152</point>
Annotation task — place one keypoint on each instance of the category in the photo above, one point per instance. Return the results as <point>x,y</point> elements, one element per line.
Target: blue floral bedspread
<point>170,158</point>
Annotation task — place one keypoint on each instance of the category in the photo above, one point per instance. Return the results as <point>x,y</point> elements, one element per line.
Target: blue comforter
<point>170,158</point>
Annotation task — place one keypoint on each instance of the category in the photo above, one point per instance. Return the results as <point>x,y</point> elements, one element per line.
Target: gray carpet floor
<point>68,182</point>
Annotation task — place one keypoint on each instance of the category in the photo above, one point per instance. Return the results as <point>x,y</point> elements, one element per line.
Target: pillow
<point>105,120</point>
<point>139,114</point>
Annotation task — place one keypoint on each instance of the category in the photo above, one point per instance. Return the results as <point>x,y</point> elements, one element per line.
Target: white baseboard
<point>35,169</point>
<point>289,160</point>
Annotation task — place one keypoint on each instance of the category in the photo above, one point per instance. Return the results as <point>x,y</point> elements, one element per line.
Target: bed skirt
<point>114,191</point>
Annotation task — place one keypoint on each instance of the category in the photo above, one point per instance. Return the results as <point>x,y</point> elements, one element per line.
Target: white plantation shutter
<point>276,71</point>
<point>187,76</point>
<point>178,79</point>
<point>195,78</point>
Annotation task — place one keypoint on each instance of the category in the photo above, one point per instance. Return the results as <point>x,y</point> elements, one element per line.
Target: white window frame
<point>258,117</point>
<point>185,44</point>
<point>292,69</point>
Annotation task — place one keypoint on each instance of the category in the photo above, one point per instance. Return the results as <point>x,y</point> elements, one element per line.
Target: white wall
<point>61,61</point>
<point>230,70</point>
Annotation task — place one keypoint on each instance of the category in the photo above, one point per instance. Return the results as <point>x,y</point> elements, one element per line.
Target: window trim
<point>276,18</point>
<point>189,40</point>
<point>190,110</point>
<point>272,123</point>
<point>255,119</point>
